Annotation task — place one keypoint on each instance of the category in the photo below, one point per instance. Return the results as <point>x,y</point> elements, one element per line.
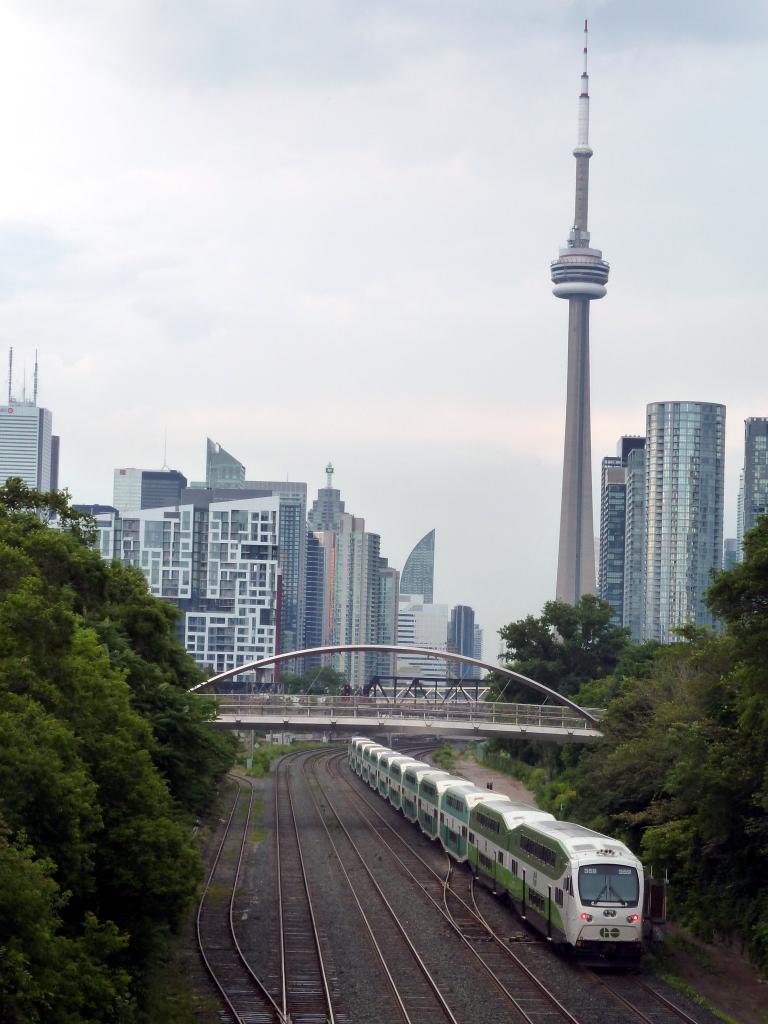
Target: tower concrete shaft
<point>579,274</point>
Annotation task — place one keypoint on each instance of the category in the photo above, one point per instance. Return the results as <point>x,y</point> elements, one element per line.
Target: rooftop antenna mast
<point>34,386</point>
<point>10,375</point>
<point>165,449</point>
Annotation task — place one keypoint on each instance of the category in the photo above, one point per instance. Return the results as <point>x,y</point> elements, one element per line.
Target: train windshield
<point>615,884</point>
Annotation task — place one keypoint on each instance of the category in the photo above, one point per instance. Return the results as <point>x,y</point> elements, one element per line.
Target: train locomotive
<point>582,890</point>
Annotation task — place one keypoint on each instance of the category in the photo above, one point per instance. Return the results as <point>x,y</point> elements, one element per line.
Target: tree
<point>567,645</point>
<point>104,758</point>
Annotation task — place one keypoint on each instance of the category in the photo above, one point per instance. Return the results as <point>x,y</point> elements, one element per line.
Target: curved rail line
<point>660,1011</point>
<point>244,995</point>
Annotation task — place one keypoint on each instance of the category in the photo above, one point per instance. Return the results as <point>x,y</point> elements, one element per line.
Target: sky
<point>321,229</point>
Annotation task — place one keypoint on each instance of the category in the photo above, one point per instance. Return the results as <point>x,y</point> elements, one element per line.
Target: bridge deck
<point>367,715</point>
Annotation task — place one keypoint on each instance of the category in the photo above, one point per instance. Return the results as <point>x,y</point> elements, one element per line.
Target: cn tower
<point>579,274</point>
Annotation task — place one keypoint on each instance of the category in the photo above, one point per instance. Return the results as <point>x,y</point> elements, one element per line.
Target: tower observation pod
<point>579,274</point>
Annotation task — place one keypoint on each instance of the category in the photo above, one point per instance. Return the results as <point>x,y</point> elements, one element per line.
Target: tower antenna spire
<point>34,385</point>
<point>10,375</point>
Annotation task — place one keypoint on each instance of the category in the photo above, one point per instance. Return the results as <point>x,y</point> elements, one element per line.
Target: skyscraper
<point>221,468</point>
<point>134,489</point>
<point>634,544</point>
<point>685,454</point>
<point>579,274</point>
<point>27,448</point>
<point>461,640</point>
<point>422,624</point>
<point>357,597</point>
<point>755,471</point>
<point>613,508</point>
<point>327,508</point>
<point>418,576</point>
<point>730,552</point>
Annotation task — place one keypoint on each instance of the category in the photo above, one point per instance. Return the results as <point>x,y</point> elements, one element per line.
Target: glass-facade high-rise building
<point>357,597</point>
<point>730,552</point>
<point>135,489</point>
<point>422,624</point>
<point>684,471</point>
<point>221,468</point>
<point>418,576</point>
<point>755,471</point>
<point>611,576</point>
<point>327,508</point>
<point>634,544</point>
<point>461,640</point>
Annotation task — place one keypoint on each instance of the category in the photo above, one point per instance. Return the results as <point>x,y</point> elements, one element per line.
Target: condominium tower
<point>755,497</point>
<point>613,520</point>
<point>579,274</point>
<point>684,463</point>
<point>419,571</point>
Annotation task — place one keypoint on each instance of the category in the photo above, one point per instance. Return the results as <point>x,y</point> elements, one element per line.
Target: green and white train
<point>581,889</point>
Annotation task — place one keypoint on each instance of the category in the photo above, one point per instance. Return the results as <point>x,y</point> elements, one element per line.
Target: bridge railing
<point>282,707</point>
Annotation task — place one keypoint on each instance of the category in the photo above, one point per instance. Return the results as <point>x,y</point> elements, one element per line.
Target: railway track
<point>308,993</point>
<point>645,1002</point>
<point>416,994</point>
<point>631,994</point>
<point>525,994</point>
<point>245,998</point>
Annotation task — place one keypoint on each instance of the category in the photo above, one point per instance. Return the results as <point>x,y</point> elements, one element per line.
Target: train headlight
<point>633,918</point>
<point>585,917</point>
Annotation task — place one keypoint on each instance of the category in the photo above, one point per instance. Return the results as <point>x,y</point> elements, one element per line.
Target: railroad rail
<point>645,1003</point>
<point>415,992</point>
<point>245,997</point>
<point>526,994</point>
<point>306,994</point>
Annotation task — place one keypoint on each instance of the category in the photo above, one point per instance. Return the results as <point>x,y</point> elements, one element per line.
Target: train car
<point>431,786</point>
<point>383,757</point>
<point>354,752</point>
<point>580,889</point>
<point>366,759</point>
<point>397,768</point>
<point>411,778</point>
<point>491,823</point>
<point>371,755</point>
<point>456,803</point>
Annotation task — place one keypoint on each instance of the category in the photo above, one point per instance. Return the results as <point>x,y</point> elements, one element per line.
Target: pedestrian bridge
<point>419,717</point>
<point>463,715</point>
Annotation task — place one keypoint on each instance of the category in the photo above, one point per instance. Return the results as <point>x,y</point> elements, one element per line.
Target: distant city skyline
<point>380,298</point>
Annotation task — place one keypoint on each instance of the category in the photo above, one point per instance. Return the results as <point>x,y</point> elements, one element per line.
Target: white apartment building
<point>217,562</point>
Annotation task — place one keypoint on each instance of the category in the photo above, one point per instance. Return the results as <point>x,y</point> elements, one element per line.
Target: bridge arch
<point>275,659</point>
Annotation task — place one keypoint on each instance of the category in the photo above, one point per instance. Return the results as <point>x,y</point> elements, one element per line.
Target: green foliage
<point>104,760</point>
<point>315,680</point>
<point>564,647</point>
<point>682,772</point>
<point>445,757</point>
<point>265,755</point>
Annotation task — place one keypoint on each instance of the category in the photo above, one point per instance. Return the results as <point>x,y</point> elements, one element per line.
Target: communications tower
<point>579,274</point>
